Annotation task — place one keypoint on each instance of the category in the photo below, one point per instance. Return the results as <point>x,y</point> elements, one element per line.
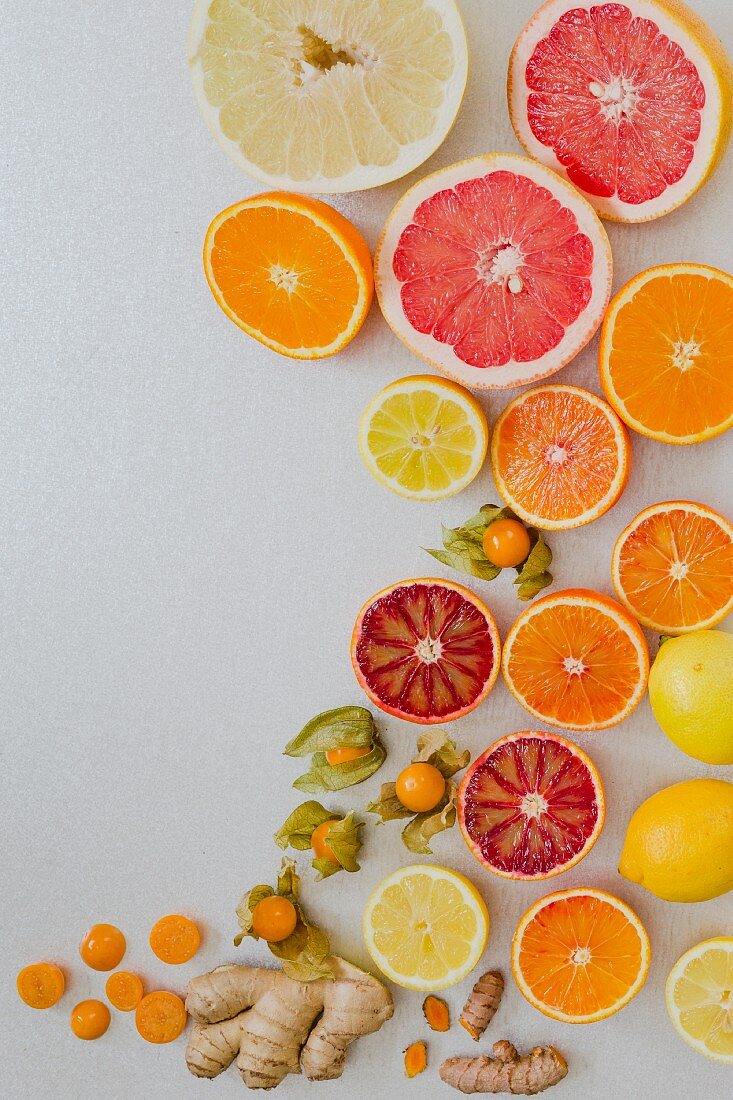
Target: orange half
<point>580,955</point>
<point>672,567</point>
<point>291,272</point>
<point>577,660</point>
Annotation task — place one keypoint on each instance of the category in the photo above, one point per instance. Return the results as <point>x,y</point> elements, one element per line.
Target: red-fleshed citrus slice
<point>531,806</point>
<point>630,101</point>
<point>494,270</point>
<point>426,650</point>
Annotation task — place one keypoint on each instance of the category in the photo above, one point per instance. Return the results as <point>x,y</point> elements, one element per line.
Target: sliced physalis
<point>277,917</point>
<point>424,791</point>
<point>334,840</point>
<point>495,539</point>
<point>344,747</point>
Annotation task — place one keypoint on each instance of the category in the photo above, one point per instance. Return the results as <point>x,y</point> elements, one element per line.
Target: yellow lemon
<point>679,843</point>
<point>699,1000</point>
<point>691,693</point>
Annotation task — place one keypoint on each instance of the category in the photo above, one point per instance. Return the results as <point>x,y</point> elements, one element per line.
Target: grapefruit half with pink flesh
<point>426,650</point>
<point>630,101</point>
<point>531,806</point>
<point>494,270</point>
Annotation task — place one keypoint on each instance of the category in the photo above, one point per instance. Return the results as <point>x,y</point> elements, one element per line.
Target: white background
<point>188,535</point>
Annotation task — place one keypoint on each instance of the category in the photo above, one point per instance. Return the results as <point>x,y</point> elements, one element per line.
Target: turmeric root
<point>436,1013</point>
<point>482,1003</point>
<point>265,1020</point>
<point>507,1071</point>
<point>416,1059</point>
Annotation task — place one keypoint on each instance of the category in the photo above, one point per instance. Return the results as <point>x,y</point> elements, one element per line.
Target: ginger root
<point>436,1013</point>
<point>266,1020</point>
<point>416,1059</point>
<point>507,1071</point>
<point>482,1003</point>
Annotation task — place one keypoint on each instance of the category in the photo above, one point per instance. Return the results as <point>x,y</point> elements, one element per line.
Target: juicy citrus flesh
<point>666,357</point>
<point>699,996</point>
<point>580,955</point>
<point>560,456</point>
<point>531,806</point>
<point>291,272</point>
<point>673,567</point>
<point>423,437</point>
<point>425,927</point>
<point>426,651</point>
<point>331,96</point>
<point>576,660</point>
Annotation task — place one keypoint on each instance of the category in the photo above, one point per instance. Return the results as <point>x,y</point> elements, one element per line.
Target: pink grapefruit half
<point>494,270</point>
<point>629,101</point>
<point>426,650</point>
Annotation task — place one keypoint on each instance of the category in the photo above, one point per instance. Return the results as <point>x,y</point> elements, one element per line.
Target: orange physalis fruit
<point>334,757</point>
<point>40,985</point>
<point>90,1019</point>
<point>174,939</point>
<point>274,918</point>
<point>103,947</point>
<point>160,1017</point>
<point>124,990</point>
<point>319,840</point>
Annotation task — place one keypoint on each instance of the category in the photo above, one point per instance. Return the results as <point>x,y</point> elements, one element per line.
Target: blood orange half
<point>494,270</point>
<point>426,650</point>
<point>630,101</point>
<point>531,806</point>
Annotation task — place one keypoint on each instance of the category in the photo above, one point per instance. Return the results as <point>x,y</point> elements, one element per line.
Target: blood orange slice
<point>531,806</point>
<point>426,650</point>
<point>631,101</point>
<point>494,270</point>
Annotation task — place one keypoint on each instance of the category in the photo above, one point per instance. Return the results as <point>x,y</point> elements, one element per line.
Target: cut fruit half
<point>576,659</point>
<point>291,272</point>
<point>330,96</point>
<point>700,999</point>
<point>580,955</point>
<point>494,270</point>
<point>560,457</point>
<point>425,927</point>
<point>630,101</point>
<point>531,806</point>
<point>423,437</point>
<point>426,650</point>
<point>672,567</point>
<point>666,353</point>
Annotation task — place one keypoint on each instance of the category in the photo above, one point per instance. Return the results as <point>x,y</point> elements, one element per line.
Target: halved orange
<point>291,272</point>
<point>666,353</point>
<point>576,659</point>
<point>560,457</point>
<point>672,567</point>
<point>580,955</point>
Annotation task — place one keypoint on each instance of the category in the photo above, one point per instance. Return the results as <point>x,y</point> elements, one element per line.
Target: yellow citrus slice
<point>425,927</point>
<point>423,437</point>
<point>328,97</point>
<point>700,998</point>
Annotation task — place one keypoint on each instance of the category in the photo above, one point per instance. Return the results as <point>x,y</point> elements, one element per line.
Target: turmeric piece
<point>507,1071</point>
<point>416,1059</point>
<point>436,1013</point>
<point>482,1003</point>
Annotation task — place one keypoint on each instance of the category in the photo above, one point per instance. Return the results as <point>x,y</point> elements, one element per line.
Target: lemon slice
<point>425,927</point>
<point>700,998</point>
<point>423,437</point>
<point>331,96</point>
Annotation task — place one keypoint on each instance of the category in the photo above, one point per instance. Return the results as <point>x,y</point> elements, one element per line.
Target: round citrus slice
<point>494,270</point>
<point>425,927</point>
<point>673,567</point>
<point>576,659</point>
<point>328,97</point>
<point>666,358</point>
<point>630,101</point>
<point>699,998</point>
<point>560,457</point>
<point>423,437</point>
<point>426,650</point>
<point>531,806</point>
<point>291,272</point>
<point>580,955</point>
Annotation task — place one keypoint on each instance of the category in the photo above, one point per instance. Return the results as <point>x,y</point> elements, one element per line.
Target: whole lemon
<point>679,843</point>
<point>691,693</point>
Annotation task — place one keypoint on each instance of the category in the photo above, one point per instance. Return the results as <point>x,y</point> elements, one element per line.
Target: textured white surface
<point>188,534</point>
